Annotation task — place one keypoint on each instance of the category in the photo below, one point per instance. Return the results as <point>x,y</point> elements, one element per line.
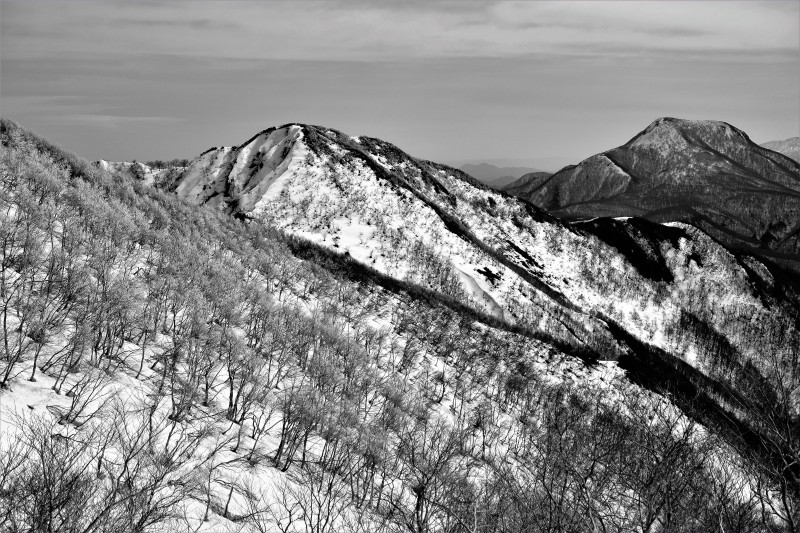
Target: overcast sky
<point>448,81</point>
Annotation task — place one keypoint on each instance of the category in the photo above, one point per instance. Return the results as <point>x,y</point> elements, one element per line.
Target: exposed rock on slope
<point>708,173</point>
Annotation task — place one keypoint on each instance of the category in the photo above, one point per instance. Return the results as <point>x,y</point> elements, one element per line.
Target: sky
<point>511,82</point>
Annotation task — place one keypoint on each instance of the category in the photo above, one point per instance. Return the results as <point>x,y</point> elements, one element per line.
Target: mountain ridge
<point>494,176</point>
<point>318,293</point>
<point>705,172</point>
<point>383,172</point>
<point>419,222</point>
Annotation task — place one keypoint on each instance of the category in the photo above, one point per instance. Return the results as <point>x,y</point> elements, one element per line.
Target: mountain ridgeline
<point>317,332</point>
<point>707,173</point>
<point>674,307</point>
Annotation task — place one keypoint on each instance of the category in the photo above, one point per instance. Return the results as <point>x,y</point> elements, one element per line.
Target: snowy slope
<point>139,171</point>
<point>197,330</point>
<point>426,223</point>
<point>111,404</point>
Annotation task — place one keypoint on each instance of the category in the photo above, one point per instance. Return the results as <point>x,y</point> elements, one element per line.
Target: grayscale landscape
<point>446,267</point>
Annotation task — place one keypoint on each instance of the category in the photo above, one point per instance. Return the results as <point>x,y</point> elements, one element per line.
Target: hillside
<point>494,176</point>
<point>526,180</point>
<point>317,332</point>
<point>789,147</point>
<point>669,303</point>
<point>707,173</point>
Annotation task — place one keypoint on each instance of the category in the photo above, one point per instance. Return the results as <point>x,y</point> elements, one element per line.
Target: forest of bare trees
<point>196,371</point>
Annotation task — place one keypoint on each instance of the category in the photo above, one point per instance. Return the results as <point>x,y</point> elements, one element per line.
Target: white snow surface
<point>393,213</point>
<point>400,217</point>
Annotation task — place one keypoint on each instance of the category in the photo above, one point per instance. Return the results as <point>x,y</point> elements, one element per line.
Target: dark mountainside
<point>319,332</point>
<point>527,180</point>
<point>704,172</point>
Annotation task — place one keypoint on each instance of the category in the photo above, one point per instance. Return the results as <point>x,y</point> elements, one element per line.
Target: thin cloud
<point>443,80</point>
<point>113,121</point>
<point>194,24</point>
<point>331,30</point>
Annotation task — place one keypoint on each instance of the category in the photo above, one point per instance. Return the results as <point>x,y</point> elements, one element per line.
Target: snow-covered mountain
<point>704,172</point>
<point>317,332</point>
<point>788,147</point>
<point>604,289</point>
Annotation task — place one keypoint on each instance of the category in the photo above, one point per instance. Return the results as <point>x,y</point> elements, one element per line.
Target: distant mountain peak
<point>704,171</point>
<point>662,124</point>
<point>494,176</point>
<point>667,134</point>
<point>788,147</point>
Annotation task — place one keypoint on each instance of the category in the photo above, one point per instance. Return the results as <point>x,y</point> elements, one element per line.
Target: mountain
<point>316,332</point>
<point>704,172</point>
<point>493,176</point>
<point>526,180</point>
<point>598,289</point>
<point>789,147</point>
<point>500,182</point>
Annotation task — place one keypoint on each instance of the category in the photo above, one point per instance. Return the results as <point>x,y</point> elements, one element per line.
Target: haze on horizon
<point>447,81</point>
